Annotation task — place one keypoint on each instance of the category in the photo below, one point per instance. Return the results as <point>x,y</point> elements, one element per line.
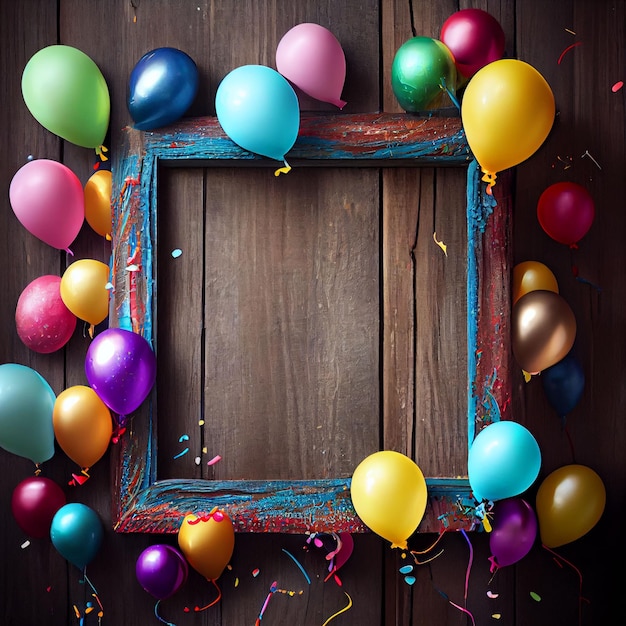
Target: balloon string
<point>450,94</point>
<point>69,251</point>
<point>345,608</point>
<point>469,565</point>
<point>558,558</point>
<point>413,553</point>
<point>283,170</point>
<point>156,612</point>
<point>569,440</point>
<point>490,179</point>
<point>197,609</point>
<point>95,595</point>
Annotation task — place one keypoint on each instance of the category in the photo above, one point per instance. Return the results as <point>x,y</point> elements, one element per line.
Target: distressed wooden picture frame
<point>142,503</point>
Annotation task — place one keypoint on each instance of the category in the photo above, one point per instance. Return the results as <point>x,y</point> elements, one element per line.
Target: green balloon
<point>67,94</point>
<point>422,72</point>
<point>26,405</point>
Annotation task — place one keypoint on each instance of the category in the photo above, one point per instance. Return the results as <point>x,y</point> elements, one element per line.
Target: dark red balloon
<point>475,39</point>
<point>34,502</point>
<point>566,212</point>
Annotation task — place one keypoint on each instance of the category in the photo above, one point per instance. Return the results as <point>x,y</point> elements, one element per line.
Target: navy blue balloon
<point>163,85</point>
<point>563,384</point>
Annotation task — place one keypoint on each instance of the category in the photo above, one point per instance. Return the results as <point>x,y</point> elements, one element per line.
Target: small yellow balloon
<point>82,425</point>
<point>84,290</point>
<point>570,502</point>
<point>507,111</point>
<point>389,494</point>
<point>531,276</point>
<point>207,542</point>
<point>98,202</point>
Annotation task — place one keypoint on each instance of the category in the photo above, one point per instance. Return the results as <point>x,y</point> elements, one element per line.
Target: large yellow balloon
<point>84,290</point>
<point>207,542</point>
<point>389,494</point>
<point>570,502</point>
<point>98,202</point>
<point>507,112</point>
<point>531,276</point>
<point>82,425</point>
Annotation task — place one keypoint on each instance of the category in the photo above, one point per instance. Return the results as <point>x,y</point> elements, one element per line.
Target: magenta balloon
<point>514,530</point>
<point>566,212</point>
<point>43,322</point>
<point>34,503</point>
<point>475,39</point>
<point>49,200</point>
<point>161,570</point>
<point>121,368</point>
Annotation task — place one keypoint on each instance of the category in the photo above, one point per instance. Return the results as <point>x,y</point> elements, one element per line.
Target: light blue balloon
<point>258,109</point>
<point>504,461</point>
<point>26,405</point>
<point>76,532</point>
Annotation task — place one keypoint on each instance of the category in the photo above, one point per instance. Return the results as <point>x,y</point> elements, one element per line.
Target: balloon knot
<point>283,170</point>
<point>100,150</point>
<point>490,179</point>
<point>403,545</point>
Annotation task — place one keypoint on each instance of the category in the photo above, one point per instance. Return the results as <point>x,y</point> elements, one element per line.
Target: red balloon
<point>566,212</point>
<point>475,39</point>
<point>43,322</point>
<point>34,503</point>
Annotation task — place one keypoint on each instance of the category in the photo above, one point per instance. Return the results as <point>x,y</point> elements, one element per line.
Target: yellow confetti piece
<point>205,450</point>
<point>487,524</point>
<point>440,244</point>
<point>200,422</point>
<point>237,582</point>
<point>497,615</point>
<point>527,376</point>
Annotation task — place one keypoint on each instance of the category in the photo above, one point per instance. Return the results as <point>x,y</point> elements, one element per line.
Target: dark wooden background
<point>37,587</point>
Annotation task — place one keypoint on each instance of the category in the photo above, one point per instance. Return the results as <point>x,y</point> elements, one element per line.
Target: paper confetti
<point>214,460</point>
<point>491,594</point>
<point>176,253</point>
<point>617,86</point>
<point>535,596</point>
<point>442,245</point>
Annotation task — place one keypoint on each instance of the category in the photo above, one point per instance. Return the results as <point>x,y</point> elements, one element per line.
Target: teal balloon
<point>26,405</point>
<point>422,73</point>
<point>504,461</point>
<point>67,94</point>
<point>258,109</point>
<point>76,532</point>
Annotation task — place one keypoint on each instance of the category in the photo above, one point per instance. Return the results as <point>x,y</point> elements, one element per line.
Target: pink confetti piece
<point>214,460</point>
<point>617,86</point>
<point>256,572</point>
<point>491,594</point>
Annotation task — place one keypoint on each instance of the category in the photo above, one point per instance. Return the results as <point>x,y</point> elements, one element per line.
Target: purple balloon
<point>514,530</point>
<point>161,570</point>
<point>121,368</point>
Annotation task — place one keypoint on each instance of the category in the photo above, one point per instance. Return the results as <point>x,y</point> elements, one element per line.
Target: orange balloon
<point>82,425</point>
<point>84,292</point>
<point>532,276</point>
<point>207,542</point>
<point>98,202</point>
<point>570,502</point>
<point>543,329</point>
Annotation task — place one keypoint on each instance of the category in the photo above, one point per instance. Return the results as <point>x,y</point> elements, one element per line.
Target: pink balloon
<point>347,546</point>
<point>310,56</point>
<point>43,322</point>
<point>48,200</point>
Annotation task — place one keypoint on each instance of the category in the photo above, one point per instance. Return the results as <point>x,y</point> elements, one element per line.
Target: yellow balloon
<point>531,276</point>
<point>207,542</point>
<point>570,502</point>
<point>507,112</point>
<point>388,492</point>
<point>82,425</point>
<point>98,202</point>
<point>84,292</point>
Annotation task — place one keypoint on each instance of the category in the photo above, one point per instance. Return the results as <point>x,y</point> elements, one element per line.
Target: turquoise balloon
<point>66,93</point>
<point>76,532</point>
<point>504,461</point>
<point>258,109</point>
<point>26,404</point>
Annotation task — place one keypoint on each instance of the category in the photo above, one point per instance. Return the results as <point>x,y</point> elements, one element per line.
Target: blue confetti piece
<point>176,253</point>
<point>406,569</point>
<point>409,580</point>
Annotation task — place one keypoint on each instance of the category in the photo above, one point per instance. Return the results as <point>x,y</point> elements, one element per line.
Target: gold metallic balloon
<point>82,425</point>
<point>84,290</point>
<point>207,542</point>
<point>532,276</point>
<point>98,202</point>
<point>543,329</point>
<point>570,502</point>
